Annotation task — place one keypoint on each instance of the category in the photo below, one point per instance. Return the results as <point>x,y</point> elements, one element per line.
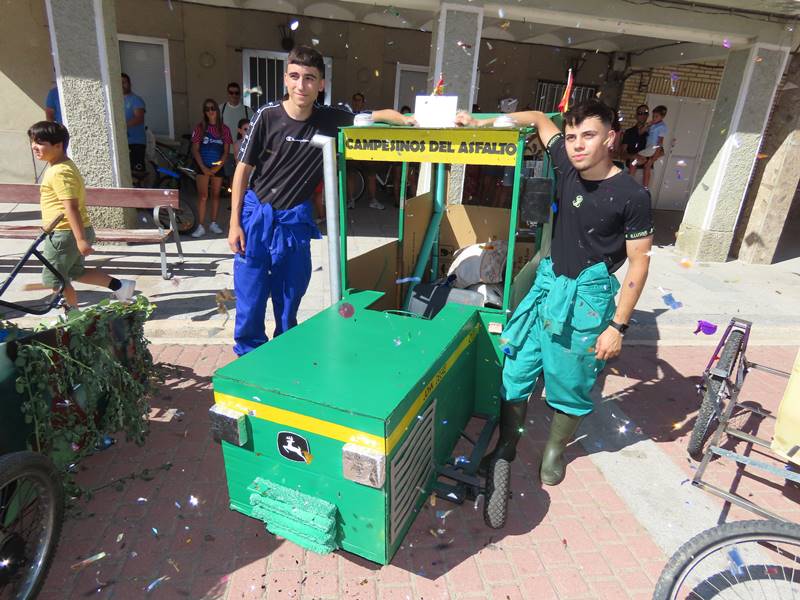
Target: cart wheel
<point>497,490</point>
<point>31,514</point>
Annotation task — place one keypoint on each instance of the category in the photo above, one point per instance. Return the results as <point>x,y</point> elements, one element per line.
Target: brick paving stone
<point>430,589</point>
<point>498,573</point>
<point>396,592</point>
<point>465,577</point>
<point>609,589</point>
<point>284,584</point>
<point>592,564</point>
<point>538,587</point>
<point>505,592</point>
<point>568,582</point>
<point>358,588</point>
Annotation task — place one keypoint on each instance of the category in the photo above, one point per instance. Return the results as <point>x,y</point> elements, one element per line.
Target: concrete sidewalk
<point>765,295</point>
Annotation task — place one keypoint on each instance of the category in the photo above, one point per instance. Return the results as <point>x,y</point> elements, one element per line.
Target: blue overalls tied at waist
<point>563,303</point>
<point>273,233</point>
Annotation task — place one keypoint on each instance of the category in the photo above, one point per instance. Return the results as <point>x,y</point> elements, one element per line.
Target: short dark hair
<point>589,109</point>
<point>306,56</point>
<point>643,106</point>
<point>357,94</point>
<point>49,131</point>
<point>125,75</point>
<point>233,84</point>
<point>661,109</point>
<point>242,122</point>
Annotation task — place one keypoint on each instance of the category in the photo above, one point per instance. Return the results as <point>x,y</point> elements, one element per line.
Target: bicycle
<point>171,170</point>
<point>730,350</point>
<point>384,176</point>
<point>744,559</point>
<point>31,493</point>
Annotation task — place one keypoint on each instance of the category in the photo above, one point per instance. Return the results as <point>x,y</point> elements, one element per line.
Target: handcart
<point>335,433</point>
<point>31,495</point>
<point>722,409</point>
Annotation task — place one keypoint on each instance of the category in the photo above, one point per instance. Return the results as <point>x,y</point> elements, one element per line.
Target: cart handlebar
<point>52,224</point>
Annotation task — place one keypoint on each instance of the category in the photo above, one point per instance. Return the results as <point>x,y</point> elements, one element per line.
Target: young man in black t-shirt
<point>271,209</point>
<point>568,325</point>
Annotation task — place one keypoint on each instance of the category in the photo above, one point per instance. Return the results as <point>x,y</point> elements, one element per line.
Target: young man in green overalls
<point>568,325</point>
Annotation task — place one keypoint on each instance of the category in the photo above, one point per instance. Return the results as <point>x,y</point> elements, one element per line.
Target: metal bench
<point>155,199</point>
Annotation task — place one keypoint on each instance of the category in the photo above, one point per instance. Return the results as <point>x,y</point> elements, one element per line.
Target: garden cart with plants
<point>63,388</point>
<point>335,433</point>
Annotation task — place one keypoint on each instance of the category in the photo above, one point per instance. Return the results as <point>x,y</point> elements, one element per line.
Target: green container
<point>373,403</point>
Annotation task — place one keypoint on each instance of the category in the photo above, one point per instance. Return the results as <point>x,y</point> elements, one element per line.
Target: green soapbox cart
<point>335,433</point>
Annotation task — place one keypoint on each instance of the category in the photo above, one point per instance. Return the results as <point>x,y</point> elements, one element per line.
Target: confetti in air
<point>86,562</point>
<point>726,43</point>
<point>705,327</point>
<point>346,310</point>
<point>294,25</point>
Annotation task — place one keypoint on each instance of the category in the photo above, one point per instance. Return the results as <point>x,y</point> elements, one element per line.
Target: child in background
<point>241,132</point>
<point>62,191</point>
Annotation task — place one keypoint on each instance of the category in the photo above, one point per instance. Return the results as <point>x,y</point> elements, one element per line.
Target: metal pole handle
<point>327,144</point>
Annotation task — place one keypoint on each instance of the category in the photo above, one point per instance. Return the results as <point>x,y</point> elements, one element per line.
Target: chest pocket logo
<point>577,201</point>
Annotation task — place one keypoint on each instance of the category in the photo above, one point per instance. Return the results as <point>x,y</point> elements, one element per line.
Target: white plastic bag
<point>479,263</point>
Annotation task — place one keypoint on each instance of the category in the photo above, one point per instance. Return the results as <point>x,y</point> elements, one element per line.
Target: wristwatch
<point>621,327</point>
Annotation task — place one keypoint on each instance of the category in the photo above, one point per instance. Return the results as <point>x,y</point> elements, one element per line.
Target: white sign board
<point>436,111</point>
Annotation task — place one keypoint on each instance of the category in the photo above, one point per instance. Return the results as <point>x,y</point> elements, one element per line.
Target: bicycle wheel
<point>31,515</point>
<point>711,406</point>
<point>744,559</point>
<point>185,218</point>
<point>359,184</point>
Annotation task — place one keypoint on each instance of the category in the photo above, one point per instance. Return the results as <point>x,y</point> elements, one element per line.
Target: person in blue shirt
<point>134,120</point>
<point>52,106</point>
<point>656,131</point>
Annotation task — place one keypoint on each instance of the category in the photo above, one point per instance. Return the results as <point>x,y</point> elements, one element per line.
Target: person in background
<point>233,110</point>
<point>634,140</point>
<point>242,127</point>
<point>656,131</point>
<point>62,191</point>
<point>52,106</point>
<point>397,169</point>
<point>210,142</point>
<point>134,120</point>
<point>367,167</point>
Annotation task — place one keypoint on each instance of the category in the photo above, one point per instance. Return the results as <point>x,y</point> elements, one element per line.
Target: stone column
<point>745,96</point>
<point>773,188</point>
<point>83,36</point>
<point>455,45</point>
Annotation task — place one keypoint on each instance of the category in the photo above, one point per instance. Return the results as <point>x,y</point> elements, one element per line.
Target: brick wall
<point>698,80</point>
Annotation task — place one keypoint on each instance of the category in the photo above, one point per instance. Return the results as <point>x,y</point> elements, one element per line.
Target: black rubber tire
<point>498,484</point>
<point>185,217</point>
<point>696,549</point>
<point>708,414</point>
<point>360,184</point>
<point>38,467</point>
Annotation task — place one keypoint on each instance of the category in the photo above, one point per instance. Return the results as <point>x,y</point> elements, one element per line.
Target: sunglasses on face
<point>643,112</point>
<point>210,109</point>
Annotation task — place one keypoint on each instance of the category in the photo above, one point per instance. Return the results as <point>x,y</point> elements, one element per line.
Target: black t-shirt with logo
<point>594,218</point>
<point>287,167</point>
<point>635,141</point>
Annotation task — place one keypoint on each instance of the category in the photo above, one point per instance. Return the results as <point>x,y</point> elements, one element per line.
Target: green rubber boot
<point>512,422</point>
<point>563,427</point>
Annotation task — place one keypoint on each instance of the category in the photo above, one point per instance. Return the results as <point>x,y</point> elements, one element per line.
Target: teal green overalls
<point>554,330</point>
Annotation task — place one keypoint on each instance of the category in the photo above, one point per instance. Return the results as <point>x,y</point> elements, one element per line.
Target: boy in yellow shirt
<point>62,191</point>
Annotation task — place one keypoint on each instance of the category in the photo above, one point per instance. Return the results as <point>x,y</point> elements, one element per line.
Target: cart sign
<point>458,145</point>
<point>294,447</point>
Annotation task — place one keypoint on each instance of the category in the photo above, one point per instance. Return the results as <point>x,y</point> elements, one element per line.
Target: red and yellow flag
<point>439,89</point>
<point>563,106</point>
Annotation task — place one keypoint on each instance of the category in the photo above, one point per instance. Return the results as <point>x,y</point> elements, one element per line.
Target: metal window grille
<point>548,95</point>
<point>266,81</point>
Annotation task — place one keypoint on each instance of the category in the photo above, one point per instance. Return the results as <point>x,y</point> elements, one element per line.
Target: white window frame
<point>398,70</point>
<point>249,53</point>
<point>164,43</point>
